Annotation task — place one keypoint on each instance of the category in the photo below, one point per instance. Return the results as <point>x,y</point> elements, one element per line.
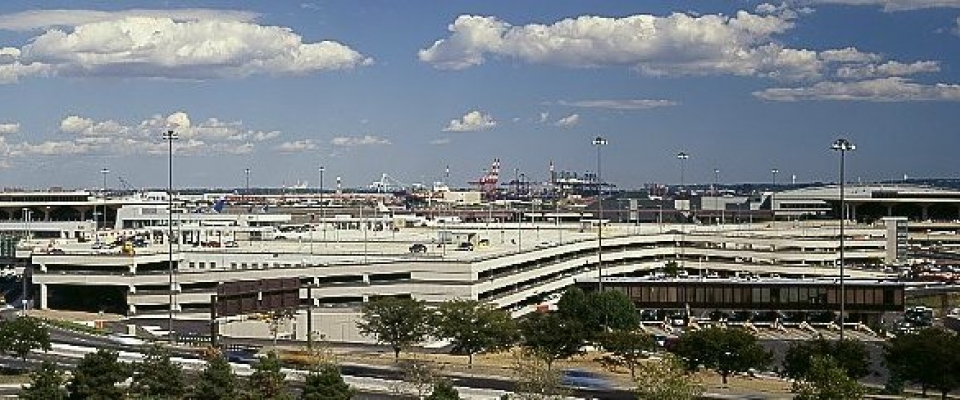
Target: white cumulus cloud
<point>743,44</point>
<point>191,44</point>
<point>9,128</point>
<point>892,89</point>
<point>887,69</point>
<point>353,141</point>
<point>471,122</point>
<point>568,121</point>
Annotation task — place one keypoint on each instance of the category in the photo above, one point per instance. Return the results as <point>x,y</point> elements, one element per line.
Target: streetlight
<point>599,142</point>
<point>170,136</point>
<point>773,192</point>
<point>323,210</point>
<point>682,156</point>
<point>246,190</point>
<point>843,146</point>
<point>104,171</point>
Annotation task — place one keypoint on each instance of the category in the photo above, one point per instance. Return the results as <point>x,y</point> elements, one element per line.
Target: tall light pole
<point>246,188</point>
<point>599,142</point>
<point>104,172</point>
<point>716,193</point>
<point>843,146</point>
<point>682,156</point>
<point>170,136</point>
<point>323,210</point>
<point>773,192</point>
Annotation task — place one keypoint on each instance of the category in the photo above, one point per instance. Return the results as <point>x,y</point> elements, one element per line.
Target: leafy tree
<point>444,390</point>
<point>397,322</point>
<point>156,377</point>
<point>665,379</point>
<point>827,380</point>
<point>850,355</point>
<point>598,312</point>
<point>927,358</point>
<point>626,348</point>
<point>267,380</point>
<point>326,384</point>
<point>671,268</point>
<point>22,335</point>
<point>474,327</point>
<point>551,337</point>
<point>97,376</point>
<point>46,383</point>
<point>275,319</point>
<point>216,382</point>
<point>726,351</point>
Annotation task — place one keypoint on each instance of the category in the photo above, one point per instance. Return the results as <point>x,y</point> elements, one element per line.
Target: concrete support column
<point>46,213</point>
<point>889,210</point>
<point>131,309</point>
<point>133,268</point>
<point>853,211</point>
<point>366,299</point>
<point>43,268</point>
<point>44,292</point>
<point>131,289</point>
<point>366,279</point>
<point>924,211</point>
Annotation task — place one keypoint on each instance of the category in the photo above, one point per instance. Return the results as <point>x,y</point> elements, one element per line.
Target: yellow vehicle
<point>127,248</point>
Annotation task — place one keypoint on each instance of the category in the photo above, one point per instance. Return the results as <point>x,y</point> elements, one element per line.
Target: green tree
<point>474,327</point>
<point>626,348</point>
<point>444,390</point>
<point>46,383</point>
<point>156,377</point>
<point>726,351</point>
<point>552,337</point>
<point>850,355</point>
<point>827,380</point>
<point>598,312</point>
<point>216,382</point>
<point>326,383</point>
<point>97,377</point>
<point>22,335</point>
<point>665,379</point>
<point>927,358</point>
<point>267,380</point>
<point>671,268</point>
<point>397,322</point>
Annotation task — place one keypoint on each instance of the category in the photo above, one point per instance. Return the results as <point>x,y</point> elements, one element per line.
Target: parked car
<point>578,378</point>
<point>465,246</point>
<point>418,248</point>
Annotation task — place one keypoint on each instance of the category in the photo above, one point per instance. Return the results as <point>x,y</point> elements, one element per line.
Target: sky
<point>411,88</point>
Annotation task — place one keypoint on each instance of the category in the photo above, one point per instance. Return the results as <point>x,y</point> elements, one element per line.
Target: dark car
<point>418,248</point>
<point>465,246</point>
<point>584,379</point>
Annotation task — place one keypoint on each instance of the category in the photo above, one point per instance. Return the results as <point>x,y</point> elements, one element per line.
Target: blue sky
<point>407,88</point>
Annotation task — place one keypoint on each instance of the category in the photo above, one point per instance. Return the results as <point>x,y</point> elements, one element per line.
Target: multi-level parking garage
<point>517,266</point>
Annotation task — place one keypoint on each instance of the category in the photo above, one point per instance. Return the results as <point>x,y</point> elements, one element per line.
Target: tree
<point>551,336</point>
<point>598,312</point>
<point>326,383</point>
<point>534,379</point>
<point>626,348</point>
<point>850,355</point>
<point>157,377</point>
<point>726,351</point>
<point>397,322</point>
<point>444,390</point>
<point>665,379</point>
<point>827,380</point>
<point>474,327</point>
<point>216,382</point>
<point>97,376</point>
<point>927,358</point>
<point>22,335</point>
<point>46,383</point>
<point>267,380</point>
<point>418,377</point>
<point>671,268</point>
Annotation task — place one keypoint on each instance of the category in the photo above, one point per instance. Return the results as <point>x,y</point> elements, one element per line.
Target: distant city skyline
<point>409,88</point>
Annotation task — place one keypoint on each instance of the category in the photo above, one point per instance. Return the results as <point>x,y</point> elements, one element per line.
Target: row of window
<point>743,294</point>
